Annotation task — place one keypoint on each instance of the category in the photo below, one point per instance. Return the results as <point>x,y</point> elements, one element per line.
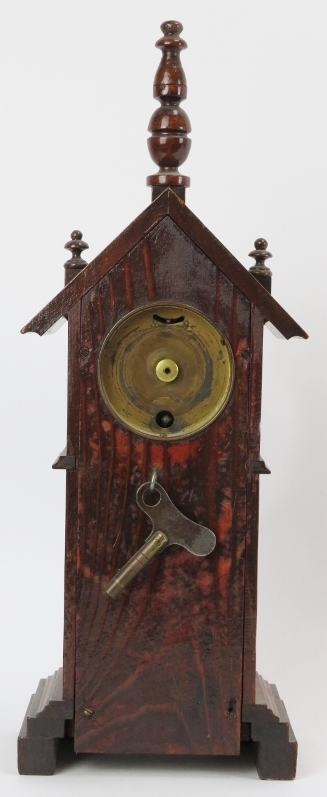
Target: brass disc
<point>167,370</point>
<point>199,366</point>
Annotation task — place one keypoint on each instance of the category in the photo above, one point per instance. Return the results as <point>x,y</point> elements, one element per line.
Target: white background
<point>76,97</point>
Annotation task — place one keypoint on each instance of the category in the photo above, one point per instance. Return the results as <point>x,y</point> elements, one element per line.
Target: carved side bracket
<point>258,466</point>
<point>44,724</point>
<point>271,730</point>
<point>64,461</point>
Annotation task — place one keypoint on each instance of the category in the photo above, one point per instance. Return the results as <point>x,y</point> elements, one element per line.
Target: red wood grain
<point>161,666</point>
<point>167,204</point>
<point>73,420</point>
<point>250,596</point>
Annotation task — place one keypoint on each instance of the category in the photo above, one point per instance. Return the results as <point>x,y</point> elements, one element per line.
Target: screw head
<point>88,712</point>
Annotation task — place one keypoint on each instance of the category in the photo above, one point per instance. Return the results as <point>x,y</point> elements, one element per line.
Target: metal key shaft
<point>170,527</point>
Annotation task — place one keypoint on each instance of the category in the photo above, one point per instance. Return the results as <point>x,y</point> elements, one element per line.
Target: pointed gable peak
<point>167,204</point>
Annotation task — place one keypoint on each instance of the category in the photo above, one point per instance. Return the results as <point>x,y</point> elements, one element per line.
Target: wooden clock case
<point>169,666</point>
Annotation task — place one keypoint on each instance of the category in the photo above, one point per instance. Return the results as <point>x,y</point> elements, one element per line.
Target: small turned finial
<point>76,262</point>
<point>169,125</point>
<point>260,271</point>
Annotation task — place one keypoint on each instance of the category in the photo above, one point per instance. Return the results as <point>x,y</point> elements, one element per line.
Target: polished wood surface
<point>171,646</point>
<point>76,355</point>
<point>45,723</point>
<point>76,246</point>
<point>260,270</point>
<point>169,125</point>
<point>167,204</point>
<point>168,667</point>
<point>271,732</point>
<point>252,506</point>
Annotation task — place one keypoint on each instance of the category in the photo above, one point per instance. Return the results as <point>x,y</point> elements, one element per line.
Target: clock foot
<point>45,723</point>
<point>269,727</point>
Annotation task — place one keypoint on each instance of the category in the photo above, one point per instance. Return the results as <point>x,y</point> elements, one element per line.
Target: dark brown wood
<point>234,270</point>
<point>169,125</point>
<point>64,462</point>
<point>167,204</point>
<point>76,263</point>
<point>158,644</point>
<point>252,507</point>
<point>88,277</point>
<point>179,190</point>
<point>260,271</point>
<point>77,357</point>
<point>44,724</point>
<point>271,730</point>
<point>258,466</point>
<point>169,666</point>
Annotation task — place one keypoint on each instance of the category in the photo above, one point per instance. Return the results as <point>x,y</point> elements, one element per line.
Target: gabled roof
<point>167,204</point>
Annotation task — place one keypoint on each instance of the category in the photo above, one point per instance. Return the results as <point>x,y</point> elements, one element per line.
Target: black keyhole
<point>165,419</point>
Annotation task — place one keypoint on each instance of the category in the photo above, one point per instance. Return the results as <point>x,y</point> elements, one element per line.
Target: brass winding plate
<point>131,366</point>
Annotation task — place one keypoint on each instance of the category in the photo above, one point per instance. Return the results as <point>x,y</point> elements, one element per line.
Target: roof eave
<point>167,204</point>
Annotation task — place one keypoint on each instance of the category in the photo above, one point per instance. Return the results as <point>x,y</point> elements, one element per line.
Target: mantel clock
<point>163,462</point>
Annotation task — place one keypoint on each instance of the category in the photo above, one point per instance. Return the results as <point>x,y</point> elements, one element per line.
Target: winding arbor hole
<point>165,419</point>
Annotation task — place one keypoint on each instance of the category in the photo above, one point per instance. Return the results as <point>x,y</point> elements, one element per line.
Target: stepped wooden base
<point>269,727</point>
<point>45,722</point>
<point>48,719</point>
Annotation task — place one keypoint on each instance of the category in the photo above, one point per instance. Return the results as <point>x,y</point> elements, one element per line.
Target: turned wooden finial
<point>75,262</point>
<point>260,271</point>
<point>169,125</point>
